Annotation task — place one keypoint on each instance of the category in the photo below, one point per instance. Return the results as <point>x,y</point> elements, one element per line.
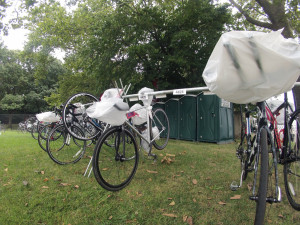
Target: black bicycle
<point>268,149</point>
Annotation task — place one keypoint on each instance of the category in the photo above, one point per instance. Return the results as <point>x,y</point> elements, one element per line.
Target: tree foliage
<point>26,80</point>
<point>143,42</point>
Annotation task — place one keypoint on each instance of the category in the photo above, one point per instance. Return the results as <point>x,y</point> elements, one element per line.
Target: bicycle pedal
<point>234,186</point>
<point>152,156</point>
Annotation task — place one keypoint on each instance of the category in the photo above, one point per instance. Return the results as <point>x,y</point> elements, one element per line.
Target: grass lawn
<point>193,189</point>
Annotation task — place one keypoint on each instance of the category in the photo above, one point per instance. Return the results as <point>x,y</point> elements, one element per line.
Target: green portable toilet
<point>214,119</point>
<point>160,105</point>
<point>188,117</point>
<point>172,111</point>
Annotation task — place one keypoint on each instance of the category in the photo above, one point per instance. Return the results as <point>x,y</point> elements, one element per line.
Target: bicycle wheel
<point>115,159</point>
<point>291,168</point>
<point>63,148</point>
<point>160,131</point>
<point>35,129</point>
<point>261,184</point>
<point>43,135</point>
<point>74,114</point>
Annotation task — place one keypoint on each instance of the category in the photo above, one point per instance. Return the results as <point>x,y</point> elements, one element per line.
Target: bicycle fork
<point>270,199</point>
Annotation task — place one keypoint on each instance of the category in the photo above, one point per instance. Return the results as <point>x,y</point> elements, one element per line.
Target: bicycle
<point>116,154</point>
<point>268,153</point>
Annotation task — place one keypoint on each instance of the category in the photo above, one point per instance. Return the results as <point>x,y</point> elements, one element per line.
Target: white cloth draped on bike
<point>140,115</point>
<point>111,109</point>
<point>48,117</point>
<point>144,97</point>
<point>250,66</point>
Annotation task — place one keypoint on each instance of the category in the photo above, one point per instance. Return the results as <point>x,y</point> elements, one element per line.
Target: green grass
<point>35,190</point>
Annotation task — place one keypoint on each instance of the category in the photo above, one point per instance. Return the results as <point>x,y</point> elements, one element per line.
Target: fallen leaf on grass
<point>45,187</point>
<point>194,181</point>
<point>76,186</point>
<point>249,186</point>
<point>184,218</point>
<point>64,184</point>
<point>236,197</point>
<point>169,215</point>
<point>222,203</point>
<point>104,169</point>
<point>171,155</point>
<point>25,182</point>
<point>110,217</point>
<point>42,172</point>
<point>6,169</point>
<point>172,203</point>
<point>280,216</point>
<point>167,160</point>
<point>194,200</point>
<point>46,179</point>
<point>150,171</point>
<point>189,220</point>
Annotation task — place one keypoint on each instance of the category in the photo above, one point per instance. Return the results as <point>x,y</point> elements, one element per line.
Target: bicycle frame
<point>283,145</point>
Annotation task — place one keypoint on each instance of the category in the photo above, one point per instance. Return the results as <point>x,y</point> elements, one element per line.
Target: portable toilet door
<point>188,117</point>
<point>207,118</point>
<point>214,119</point>
<point>172,111</point>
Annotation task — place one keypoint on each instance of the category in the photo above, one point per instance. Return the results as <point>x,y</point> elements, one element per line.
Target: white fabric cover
<point>141,116</point>
<point>48,117</point>
<point>247,67</point>
<point>106,111</point>
<point>111,93</point>
<point>146,99</point>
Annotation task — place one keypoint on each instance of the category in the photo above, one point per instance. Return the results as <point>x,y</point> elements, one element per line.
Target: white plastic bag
<point>247,67</point>
<point>109,111</point>
<point>144,97</point>
<point>111,93</point>
<point>140,116</point>
<point>48,117</point>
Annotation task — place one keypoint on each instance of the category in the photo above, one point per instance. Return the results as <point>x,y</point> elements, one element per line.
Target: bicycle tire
<point>73,114</point>
<point>35,130</point>
<point>291,168</point>
<point>160,121</point>
<point>43,135</point>
<point>263,179</point>
<point>64,149</point>
<point>111,169</point>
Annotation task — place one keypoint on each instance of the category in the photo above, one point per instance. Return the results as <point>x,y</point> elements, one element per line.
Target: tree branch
<point>250,19</point>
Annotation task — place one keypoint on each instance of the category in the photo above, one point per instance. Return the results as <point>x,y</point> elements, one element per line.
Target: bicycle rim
<point>160,129</point>
<point>113,167</point>
<point>63,148</point>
